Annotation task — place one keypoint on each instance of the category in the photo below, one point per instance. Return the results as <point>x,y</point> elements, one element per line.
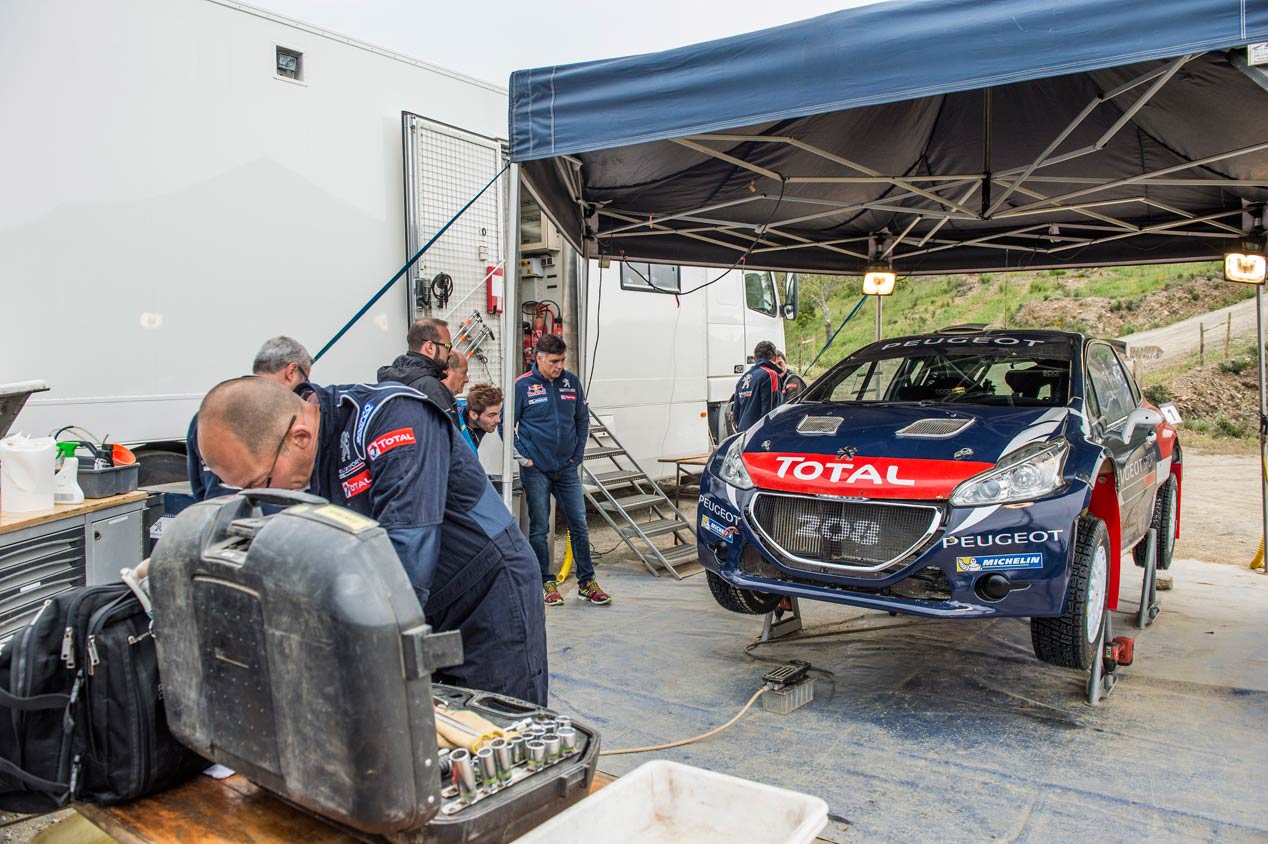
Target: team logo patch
<point>351,468</point>
<point>1001,561</point>
<point>389,441</point>
<point>568,396</point>
<point>536,390</point>
<point>538,400</point>
<point>357,484</point>
<point>363,420</point>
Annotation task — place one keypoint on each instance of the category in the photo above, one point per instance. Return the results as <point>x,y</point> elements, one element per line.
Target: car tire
<point>1069,640</point>
<point>1164,521</point>
<point>743,601</point>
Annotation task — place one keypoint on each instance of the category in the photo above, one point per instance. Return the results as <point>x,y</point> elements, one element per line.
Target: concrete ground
<point>951,731</point>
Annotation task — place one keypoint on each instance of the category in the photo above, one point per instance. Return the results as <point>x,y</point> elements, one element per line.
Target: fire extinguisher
<point>493,280</point>
<point>544,319</point>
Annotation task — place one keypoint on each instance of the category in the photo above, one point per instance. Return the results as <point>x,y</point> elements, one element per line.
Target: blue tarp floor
<point>945,731</point>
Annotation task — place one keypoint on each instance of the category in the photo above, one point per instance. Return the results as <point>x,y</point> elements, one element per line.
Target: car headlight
<point>1031,471</point>
<point>732,468</point>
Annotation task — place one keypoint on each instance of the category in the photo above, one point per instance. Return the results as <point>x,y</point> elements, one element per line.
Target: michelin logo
<point>1000,561</point>
<point>727,534</point>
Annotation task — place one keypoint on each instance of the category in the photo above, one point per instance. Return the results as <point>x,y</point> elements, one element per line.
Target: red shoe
<point>590,591</point>
<point>550,591</point>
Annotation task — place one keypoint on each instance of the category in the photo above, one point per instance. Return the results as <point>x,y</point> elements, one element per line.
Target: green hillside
<point>1105,302</point>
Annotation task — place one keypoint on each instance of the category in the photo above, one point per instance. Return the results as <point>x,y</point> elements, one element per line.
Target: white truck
<point>187,178</point>
<point>662,368</point>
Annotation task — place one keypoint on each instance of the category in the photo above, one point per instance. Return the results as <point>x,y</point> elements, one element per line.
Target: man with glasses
<point>424,366</point>
<point>281,360</point>
<point>387,452</point>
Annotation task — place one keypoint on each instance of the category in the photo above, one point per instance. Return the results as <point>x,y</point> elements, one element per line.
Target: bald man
<point>388,452</point>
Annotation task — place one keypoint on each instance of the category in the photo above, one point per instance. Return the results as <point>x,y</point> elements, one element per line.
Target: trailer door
<point>444,168</point>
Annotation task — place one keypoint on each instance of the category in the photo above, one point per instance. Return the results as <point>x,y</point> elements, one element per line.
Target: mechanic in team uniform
<point>390,453</point>
<point>760,390</point>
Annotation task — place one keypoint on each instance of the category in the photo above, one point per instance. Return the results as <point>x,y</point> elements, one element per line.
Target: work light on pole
<point>879,280</point>
<point>1247,263</point>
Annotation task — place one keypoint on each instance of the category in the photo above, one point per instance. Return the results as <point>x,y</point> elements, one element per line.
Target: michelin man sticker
<point>1000,561</point>
<point>726,533</point>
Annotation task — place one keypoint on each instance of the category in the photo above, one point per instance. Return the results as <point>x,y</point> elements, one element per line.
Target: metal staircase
<point>635,506</point>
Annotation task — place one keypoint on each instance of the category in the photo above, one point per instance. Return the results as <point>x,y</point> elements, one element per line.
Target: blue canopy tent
<point>946,135</point>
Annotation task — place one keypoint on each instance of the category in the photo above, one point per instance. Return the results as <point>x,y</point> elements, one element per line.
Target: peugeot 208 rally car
<point>953,475</point>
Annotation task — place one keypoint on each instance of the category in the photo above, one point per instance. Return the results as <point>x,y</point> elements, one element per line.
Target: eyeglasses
<point>448,347</point>
<point>268,480</point>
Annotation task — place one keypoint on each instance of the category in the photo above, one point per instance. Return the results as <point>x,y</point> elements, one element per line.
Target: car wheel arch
<point>1103,504</point>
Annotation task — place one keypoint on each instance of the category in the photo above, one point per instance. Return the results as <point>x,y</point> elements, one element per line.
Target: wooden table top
<point>17,521</point>
<point>692,460</point>
<point>228,811</point>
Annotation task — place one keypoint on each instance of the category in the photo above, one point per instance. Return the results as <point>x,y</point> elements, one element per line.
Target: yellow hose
<point>566,566</point>
<point>693,739</point>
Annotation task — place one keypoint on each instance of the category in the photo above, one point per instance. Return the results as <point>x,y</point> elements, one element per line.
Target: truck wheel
<point>1164,521</point>
<point>1069,640</point>
<point>743,601</point>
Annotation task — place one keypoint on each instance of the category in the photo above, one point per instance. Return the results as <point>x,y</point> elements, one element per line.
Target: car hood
<point>888,450</point>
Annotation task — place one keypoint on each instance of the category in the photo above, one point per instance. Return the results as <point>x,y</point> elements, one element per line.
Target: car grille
<point>849,534</point>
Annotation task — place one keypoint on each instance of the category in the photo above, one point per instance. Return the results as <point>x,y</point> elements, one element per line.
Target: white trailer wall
<point>169,202</point>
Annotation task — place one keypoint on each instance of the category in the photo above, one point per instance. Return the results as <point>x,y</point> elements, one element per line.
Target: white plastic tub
<point>668,803</point>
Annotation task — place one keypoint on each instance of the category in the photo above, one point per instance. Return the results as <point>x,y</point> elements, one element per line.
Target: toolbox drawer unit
<point>43,554</point>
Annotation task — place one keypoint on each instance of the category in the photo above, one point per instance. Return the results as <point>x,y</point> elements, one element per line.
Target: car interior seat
<point>1038,382</point>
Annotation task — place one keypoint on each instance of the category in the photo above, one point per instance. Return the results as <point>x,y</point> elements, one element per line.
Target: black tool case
<point>293,650</point>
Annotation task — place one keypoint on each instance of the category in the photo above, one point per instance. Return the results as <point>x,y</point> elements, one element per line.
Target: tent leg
<point>510,327</point>
<point>1263,410</point>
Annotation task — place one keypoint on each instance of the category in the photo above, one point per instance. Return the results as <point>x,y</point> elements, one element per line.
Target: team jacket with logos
<point>551,420</point>
<point>389,452</point>
<point>757,393</point>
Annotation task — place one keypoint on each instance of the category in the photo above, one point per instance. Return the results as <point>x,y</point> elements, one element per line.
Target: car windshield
<point>903,372</point>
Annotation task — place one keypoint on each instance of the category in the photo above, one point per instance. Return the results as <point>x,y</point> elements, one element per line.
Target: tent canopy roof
<point>946,135</point>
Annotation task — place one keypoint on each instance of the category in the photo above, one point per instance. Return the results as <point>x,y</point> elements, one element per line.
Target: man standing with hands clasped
<point>552,423</point>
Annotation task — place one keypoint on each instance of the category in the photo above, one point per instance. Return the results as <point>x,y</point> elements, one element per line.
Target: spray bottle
<point>66,480</point>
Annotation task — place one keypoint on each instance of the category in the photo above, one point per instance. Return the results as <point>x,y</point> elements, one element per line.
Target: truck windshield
<point>1012,377</point>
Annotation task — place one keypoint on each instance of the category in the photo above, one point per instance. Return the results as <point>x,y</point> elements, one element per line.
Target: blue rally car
<point>962,474</point>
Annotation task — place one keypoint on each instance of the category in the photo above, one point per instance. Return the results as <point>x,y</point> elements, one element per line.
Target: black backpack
<point>81,709</point>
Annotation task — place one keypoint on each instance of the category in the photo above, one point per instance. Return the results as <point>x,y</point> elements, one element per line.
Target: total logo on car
<point>961,474</point>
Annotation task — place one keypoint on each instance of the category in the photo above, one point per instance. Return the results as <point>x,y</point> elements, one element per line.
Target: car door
<point>1135,461</point>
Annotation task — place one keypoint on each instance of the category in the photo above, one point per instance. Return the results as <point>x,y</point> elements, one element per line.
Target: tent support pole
<point>1263,408</point>
<point>880,326</point>
<point>510,330</point>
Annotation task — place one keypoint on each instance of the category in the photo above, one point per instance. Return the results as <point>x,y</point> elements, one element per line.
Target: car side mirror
<point>1140,423</point>
<point>791,290</point>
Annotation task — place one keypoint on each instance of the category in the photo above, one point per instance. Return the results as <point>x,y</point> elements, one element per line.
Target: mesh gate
<point>444,168</point>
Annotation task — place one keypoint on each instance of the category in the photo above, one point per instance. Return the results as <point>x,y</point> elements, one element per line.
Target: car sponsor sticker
<point>1028,342</point>
<point>357,484</point>
<point>1016,537</point>
<point>389,441</point>
<point>725,514</point>
<point>727,533</point>
<point>869,477</point>
<point>999,561</point>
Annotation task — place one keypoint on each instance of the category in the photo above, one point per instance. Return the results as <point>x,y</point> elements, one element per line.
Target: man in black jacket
<point>423,366</point>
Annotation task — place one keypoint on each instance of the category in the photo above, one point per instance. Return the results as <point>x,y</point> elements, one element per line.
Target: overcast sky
<point>490,39</point>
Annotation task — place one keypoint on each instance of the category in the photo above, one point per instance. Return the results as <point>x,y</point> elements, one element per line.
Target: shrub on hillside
<point>1225,427</point>
<point>1157,393</point>
<point>1235,366</point>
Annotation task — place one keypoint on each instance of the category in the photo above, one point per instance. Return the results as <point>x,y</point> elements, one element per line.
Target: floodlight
<point>1247,263</point>
<point>879,280</point>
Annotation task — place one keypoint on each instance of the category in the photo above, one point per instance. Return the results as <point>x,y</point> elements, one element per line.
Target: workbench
<point>44,552</point>
<point>682,473</point>
<point>228,811</point>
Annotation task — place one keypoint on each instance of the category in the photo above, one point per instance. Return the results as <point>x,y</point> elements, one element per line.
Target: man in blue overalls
<point>389,452</point>
<point>552,423</point>
<point>759,391</point>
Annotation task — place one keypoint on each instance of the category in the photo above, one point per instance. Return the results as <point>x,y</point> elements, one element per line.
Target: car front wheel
<point>744,601</point>
<point>1069,640</point>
